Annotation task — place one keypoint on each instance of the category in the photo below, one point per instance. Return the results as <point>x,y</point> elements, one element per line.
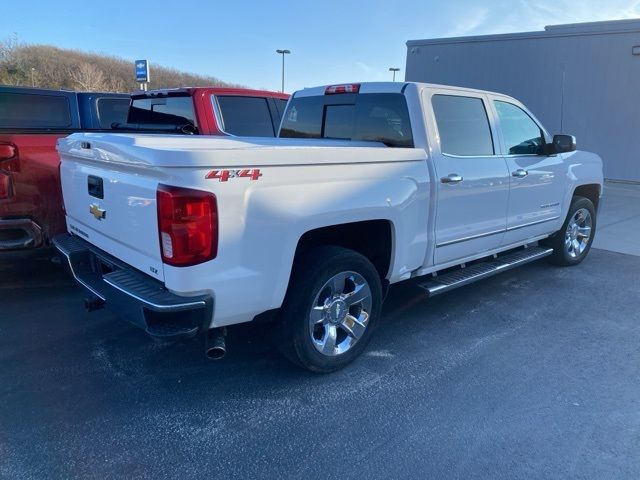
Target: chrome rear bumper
<point>131,294</point>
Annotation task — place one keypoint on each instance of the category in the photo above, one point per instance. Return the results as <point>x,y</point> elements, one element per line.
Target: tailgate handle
<point>95,186</point>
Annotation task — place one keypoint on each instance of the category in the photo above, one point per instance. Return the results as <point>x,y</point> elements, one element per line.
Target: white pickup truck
<point>368,185</point>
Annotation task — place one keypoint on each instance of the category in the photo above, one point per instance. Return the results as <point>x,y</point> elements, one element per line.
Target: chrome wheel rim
<point>340,313</point>
<point>578,234</point>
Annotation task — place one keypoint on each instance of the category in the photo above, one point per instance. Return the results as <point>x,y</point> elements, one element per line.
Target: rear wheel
<point>330,310</point>
<point>572,242</point>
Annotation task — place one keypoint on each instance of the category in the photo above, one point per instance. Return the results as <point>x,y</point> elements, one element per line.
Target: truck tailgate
<point>113,207</point>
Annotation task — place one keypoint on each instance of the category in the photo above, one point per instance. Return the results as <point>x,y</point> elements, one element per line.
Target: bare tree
<point>9,70</point>
<point>8,48</point>
<point>88,77</point>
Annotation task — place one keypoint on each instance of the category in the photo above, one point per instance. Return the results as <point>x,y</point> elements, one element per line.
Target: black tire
<point>311,272</point>
<point>561,255</point>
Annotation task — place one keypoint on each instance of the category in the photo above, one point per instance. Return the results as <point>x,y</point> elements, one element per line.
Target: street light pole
<point>283,53</point>
<point>394,70</point>
<point>33,78</point>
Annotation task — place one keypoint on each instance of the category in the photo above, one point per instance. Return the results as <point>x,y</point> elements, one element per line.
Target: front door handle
<point>520,173</point>
<point>451,178</point>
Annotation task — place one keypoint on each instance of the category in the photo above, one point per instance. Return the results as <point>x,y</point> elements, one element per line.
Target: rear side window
<point>378,117</point>
<point>162,111</point>
<point>19,110</point>
<point>281,104</point>
<point>112,110</point>
<point>245,116</point>
<point>463,125</point>
<point>522,136</point>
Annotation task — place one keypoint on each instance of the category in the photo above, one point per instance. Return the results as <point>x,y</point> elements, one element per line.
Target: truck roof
<point>388,87</point>
<point>39,90</point>
<point>192,91</point>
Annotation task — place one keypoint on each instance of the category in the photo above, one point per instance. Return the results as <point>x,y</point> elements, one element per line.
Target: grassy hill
<point>51,67</point>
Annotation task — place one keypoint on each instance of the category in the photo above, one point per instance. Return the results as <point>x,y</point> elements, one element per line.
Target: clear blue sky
<point>332,41</point>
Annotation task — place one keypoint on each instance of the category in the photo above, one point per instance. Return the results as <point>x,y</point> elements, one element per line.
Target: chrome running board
<point>464,276</point>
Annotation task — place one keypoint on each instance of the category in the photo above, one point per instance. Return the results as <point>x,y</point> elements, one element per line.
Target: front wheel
<point>330,310</point>
<point>572,242</point>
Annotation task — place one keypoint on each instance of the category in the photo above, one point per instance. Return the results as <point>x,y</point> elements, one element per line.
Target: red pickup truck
<point>31,121</point>
<point>208,111</point>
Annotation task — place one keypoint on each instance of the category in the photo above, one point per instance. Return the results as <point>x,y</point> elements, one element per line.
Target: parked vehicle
<point>372,184</point>
<point>208,111</point>
<point>31,120</point>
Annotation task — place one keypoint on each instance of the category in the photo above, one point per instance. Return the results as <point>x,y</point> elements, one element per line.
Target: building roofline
<point>551,31</point>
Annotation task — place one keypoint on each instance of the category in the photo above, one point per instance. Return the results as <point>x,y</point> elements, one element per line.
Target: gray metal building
<point>581,79</point>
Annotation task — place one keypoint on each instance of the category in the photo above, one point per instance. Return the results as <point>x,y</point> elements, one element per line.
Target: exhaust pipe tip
<point>216,345</point>
<point>216,353</point>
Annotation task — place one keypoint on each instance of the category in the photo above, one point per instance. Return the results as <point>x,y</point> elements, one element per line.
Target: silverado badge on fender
<point>97,212</point>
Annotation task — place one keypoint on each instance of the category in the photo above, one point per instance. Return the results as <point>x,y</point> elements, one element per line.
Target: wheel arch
<point>380,252</point>
<point>592,191</point>
<point>374,239</point>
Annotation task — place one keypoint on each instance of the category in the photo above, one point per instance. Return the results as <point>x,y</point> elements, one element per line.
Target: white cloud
<point>371,73</point>
<point>524,15</point>
<point>469,22</point>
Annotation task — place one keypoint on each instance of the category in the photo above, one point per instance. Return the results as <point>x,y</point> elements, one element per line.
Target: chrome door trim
<point>451,155</point>
<point>495,232</point>
<point>471,237</point>
<point>532,223</point>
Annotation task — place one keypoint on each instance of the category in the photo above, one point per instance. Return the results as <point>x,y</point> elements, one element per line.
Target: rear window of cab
<point>378,117</point>
<point>162,110</point>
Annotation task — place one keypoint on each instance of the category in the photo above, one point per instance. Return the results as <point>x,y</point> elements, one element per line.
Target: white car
<point>368,185</point>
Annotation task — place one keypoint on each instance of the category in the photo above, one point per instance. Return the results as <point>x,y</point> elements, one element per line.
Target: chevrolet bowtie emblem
<point>97,212</point>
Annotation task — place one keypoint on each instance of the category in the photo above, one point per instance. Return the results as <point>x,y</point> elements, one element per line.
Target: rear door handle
<point>520,173</point>
<point>452,178</point>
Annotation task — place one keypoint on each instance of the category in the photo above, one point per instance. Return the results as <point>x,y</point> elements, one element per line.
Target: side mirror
<point>563,143</point>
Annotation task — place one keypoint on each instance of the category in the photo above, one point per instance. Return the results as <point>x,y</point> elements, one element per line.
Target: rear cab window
<point>37,111</point>
<point>172,110</point>
<point>378,117</point>
<point>244,116</point>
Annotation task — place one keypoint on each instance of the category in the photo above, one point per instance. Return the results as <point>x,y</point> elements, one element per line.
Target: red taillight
<point>5,186</point>
<point>7,152</point>
<point>188,225</point>
<point>346,88</point>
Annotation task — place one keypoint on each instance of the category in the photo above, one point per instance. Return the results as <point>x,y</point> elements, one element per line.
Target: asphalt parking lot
<point>530,374</point>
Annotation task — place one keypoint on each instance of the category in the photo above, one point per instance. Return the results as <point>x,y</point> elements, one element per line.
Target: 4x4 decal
<point>225,175</point>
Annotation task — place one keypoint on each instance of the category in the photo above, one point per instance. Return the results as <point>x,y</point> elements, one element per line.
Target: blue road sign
<point>142,71</point>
